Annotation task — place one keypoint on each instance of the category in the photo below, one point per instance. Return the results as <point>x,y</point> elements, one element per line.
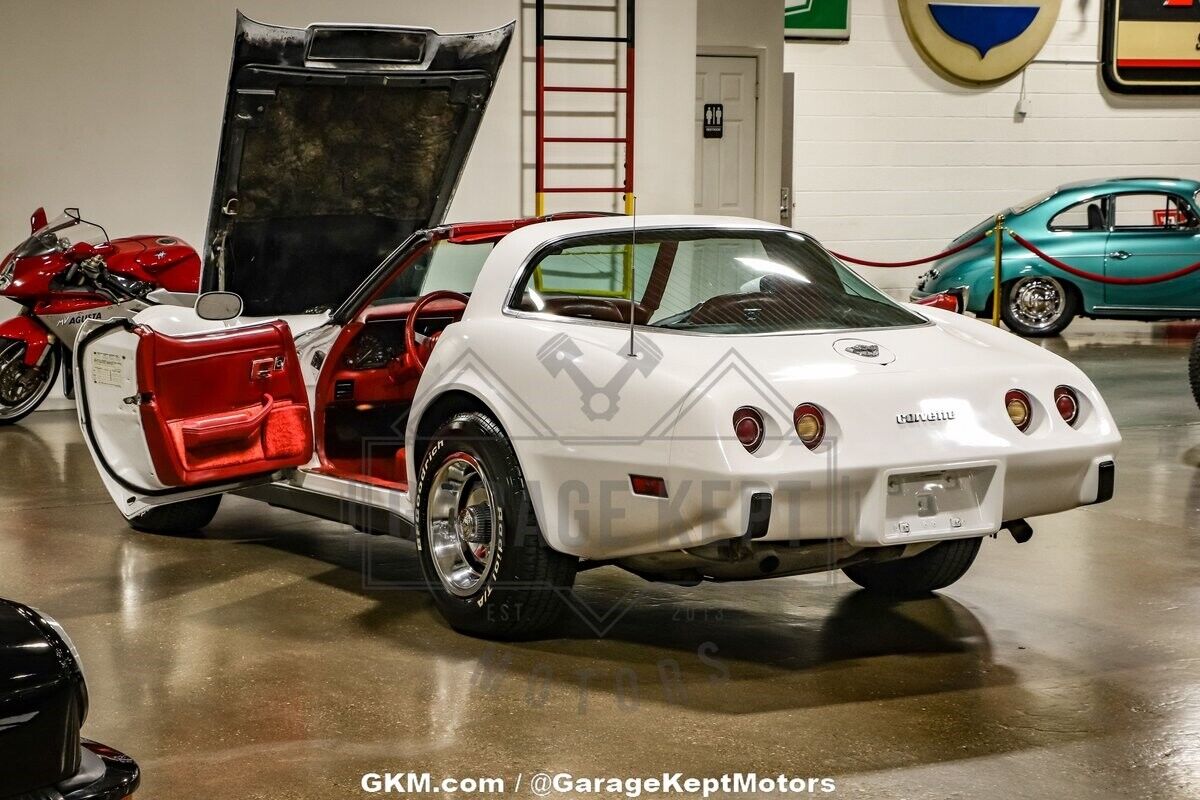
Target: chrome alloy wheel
<point>1037,301</point>
<point>461,514</point>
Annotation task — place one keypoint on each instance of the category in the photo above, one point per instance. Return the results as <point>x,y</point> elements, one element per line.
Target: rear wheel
<point>23,388</point>
<point>175,519</point>
<point>482,553</point>
<point>1038,305</point>
<point>928,571</point>
<point>1194,369</point>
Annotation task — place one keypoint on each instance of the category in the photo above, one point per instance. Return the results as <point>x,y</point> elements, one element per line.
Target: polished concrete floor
<point>274,657</point>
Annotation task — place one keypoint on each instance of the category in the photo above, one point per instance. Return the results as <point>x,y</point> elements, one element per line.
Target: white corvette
<point>694,399</point>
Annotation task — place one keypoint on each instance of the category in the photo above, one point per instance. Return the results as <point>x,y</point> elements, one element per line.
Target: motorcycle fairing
<point>177,417</point>
<point>23,328</point>
<point>338,142</point>
<point>64,316</point>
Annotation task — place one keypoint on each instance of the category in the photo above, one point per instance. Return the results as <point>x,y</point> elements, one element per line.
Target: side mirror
<point>37,220</point>
<point>81,251</point>
<point>218,306</point>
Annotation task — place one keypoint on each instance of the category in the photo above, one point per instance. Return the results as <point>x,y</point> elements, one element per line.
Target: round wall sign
<point>979,41</point>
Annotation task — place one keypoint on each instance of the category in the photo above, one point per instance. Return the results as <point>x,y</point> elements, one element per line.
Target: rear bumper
<point>105,774</point>
<point>868,507</point>
<point>865,505</point>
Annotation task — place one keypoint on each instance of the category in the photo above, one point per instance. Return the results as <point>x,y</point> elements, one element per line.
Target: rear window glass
<point>712,281</point>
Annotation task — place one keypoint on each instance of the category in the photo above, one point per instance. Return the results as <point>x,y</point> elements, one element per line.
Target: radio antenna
<point>632,258</point>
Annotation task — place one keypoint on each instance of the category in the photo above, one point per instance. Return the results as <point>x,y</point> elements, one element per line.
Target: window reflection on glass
<point>445,265</point>
<point>708,281</point>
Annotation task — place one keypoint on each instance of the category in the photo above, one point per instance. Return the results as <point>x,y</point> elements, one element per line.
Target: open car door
<point>171,418</point>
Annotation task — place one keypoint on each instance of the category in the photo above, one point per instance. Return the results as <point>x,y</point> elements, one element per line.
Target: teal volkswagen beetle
<point>1123,227</point>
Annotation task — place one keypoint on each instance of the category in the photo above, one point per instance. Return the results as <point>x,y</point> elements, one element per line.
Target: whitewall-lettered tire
<point>482,553</point>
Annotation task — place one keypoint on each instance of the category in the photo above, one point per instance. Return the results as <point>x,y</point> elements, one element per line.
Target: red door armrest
<point>234,426</point>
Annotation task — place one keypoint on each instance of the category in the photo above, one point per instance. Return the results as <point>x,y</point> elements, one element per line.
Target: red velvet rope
<point>1092,276</point>
<point>945,254</point>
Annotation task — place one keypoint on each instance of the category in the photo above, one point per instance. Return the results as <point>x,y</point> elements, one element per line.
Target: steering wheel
<point>417,353</point>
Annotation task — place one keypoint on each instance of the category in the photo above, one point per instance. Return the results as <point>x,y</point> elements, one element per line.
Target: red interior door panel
<point>223,406</point>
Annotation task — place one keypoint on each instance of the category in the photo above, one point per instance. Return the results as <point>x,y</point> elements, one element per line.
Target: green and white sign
<point>816,19</point>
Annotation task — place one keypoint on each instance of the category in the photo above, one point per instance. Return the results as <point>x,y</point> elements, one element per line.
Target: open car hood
<point>338,142</point>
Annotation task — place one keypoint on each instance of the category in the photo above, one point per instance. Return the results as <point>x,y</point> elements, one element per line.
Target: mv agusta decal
<point>77,319</point>
<point>924,416</point>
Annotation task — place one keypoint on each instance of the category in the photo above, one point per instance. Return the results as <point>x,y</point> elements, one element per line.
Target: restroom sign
<point>714,120</point>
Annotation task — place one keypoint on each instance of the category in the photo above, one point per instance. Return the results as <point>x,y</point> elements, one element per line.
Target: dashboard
<point>382,340</point>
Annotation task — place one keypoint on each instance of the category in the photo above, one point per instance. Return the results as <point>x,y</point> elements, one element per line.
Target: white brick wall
<point>892,161</point>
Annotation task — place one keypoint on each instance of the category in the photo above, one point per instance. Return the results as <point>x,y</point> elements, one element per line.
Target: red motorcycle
<point>60,286</point>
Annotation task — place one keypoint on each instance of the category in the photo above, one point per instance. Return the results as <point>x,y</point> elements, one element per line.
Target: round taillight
<point>748,427</point>
<point>1019,409</point>
<point>810,424</point>
<point>1067,403</point>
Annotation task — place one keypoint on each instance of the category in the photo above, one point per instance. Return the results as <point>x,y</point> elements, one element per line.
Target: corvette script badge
<point>924,416</point>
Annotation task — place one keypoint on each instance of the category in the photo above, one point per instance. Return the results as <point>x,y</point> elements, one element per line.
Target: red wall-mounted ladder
<point>542,139</point>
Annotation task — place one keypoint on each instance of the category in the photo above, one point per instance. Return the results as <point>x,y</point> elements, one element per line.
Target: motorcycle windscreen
<point>338,143</point>
<point>192,415</point>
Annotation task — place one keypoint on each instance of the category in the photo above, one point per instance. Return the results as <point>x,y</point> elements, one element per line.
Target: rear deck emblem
<point>862,350</point>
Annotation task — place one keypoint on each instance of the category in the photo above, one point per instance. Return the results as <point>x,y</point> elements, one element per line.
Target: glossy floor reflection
<point>274,658</point>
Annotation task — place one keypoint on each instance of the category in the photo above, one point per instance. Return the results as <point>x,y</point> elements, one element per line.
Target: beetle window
<point>1152,211</point>
<point>1085,216</point>
<point>709,281</point>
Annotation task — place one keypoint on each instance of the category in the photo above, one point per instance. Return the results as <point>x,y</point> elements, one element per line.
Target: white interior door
<point>725,163</point>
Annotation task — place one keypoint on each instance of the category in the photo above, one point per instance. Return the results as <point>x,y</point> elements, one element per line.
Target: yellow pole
<point>539,204</point>
<point>628,276</point>
<point>997,233</point>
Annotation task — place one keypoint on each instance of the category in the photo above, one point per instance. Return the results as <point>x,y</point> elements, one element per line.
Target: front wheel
<point>481,551</point>
<point>1038,305</point>
<point>176,519</point>
<point>23,388</point>
<point>927,571</point>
